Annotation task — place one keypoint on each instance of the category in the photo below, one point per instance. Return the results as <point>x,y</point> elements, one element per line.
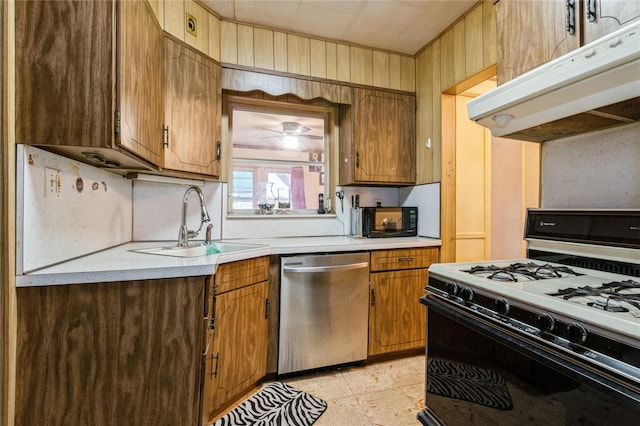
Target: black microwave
<point>380,222</point>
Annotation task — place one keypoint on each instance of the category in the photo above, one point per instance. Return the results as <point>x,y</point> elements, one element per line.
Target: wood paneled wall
<point>273,50</point>
<point>251,46</point>
<point>461,57</point>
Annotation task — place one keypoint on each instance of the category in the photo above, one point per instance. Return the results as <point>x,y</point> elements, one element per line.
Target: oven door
<point>482,371</point>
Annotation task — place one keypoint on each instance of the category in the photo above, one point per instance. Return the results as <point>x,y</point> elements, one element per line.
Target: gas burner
<point>608,297</point>
<point>515,271</point>
<point>607,304</point>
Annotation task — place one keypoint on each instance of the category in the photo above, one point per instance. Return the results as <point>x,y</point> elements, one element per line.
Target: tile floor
<point>389,393</point>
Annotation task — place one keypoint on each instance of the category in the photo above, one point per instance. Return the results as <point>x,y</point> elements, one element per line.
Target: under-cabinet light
<point>165,179</point>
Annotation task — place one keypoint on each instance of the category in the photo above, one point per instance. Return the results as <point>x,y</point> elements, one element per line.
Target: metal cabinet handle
<point>373,297</point>
<point>406,259</point>
<point>571,17</point>
<point>357,159</point>
<point>591,10</point>
<point>218,150</point>
<point>165,136</point>
<point>214,372</point>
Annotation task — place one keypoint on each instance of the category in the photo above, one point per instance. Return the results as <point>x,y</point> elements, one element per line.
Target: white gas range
<point>606,301</point>
<point>573,304</point>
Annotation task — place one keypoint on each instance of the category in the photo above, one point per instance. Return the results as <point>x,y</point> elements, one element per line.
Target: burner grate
<point>513,272</point>
<point>614,267</point>
<point>604,294</point>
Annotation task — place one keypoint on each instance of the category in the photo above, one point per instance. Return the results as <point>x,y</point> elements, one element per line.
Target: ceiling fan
<point>293,129</point>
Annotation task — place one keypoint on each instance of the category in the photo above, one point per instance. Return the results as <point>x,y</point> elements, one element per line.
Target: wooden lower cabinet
<point>236,352</point>
<point>110,353</point>
<point>397,281</point>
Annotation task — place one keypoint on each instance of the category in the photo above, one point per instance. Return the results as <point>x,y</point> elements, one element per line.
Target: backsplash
<point>427,199</point>
<point>157,210</point>
<point>66,209</point>
<point>599,170</point>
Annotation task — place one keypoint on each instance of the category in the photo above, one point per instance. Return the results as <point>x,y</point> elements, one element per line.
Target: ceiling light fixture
<point>290,142</point>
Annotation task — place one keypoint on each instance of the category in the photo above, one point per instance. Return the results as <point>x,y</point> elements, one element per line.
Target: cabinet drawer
<point>386,260</point>
<point>234,275</point>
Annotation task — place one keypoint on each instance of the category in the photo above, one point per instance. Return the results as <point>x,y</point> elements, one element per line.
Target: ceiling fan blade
<point>313,137</point>
<point>301,130</point>
<point>271,130</point>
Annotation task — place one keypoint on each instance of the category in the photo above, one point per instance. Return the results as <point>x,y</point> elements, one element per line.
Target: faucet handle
<point>208,234</point>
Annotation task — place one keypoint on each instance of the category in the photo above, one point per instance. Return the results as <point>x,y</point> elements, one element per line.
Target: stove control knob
<point>502,306</point>
<point>467,294</point>
<point>576,333</point>
<point>452,288</point>
<point>546,322</point>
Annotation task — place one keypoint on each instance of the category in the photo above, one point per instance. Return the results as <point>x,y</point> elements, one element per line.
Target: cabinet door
<point>384,137</point>
<point>238,356</point>
<point>140,80</point>
<point>604,17</point>
<point>530,33</point>
<point>397,320</point>
<point>64,74</point>
<point>193,105</point>
<point>110,353</point>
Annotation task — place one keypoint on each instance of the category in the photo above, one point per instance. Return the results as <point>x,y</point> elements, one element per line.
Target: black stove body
<point>571,307</point>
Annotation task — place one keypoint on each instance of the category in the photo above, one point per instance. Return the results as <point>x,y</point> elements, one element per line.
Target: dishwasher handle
<point>328,268</point>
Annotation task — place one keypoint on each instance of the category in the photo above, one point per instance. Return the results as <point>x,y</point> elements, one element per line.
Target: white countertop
<point>121,264</point>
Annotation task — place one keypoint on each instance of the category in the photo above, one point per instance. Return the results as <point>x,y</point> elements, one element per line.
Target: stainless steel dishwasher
<point>324,305</point>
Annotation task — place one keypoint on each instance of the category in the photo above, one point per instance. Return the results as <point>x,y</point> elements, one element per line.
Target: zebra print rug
<point>277,404</point>
<point>468,383</point>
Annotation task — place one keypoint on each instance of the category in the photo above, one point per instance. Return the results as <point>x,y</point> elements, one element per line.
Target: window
<point>280,156</point>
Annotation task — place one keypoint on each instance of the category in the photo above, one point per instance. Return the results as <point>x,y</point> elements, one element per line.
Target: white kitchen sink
<point>196,249</point>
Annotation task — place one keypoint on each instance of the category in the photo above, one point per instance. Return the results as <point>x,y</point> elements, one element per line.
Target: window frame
<point>327,113</point>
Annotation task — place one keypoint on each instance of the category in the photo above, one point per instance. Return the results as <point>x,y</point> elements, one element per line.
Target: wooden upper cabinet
<point>69,92</point>
<point>531,33</point>
<point>382,150</point>
<point>193,109</point>
<point>140,80</point>
<point>604,17</point>
<point>64,74</point>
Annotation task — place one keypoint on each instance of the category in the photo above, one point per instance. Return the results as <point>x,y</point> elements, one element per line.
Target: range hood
<point>591,88</point>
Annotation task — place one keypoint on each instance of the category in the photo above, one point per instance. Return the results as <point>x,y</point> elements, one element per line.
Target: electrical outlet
<point>52,183</point>
<point>192,25</point>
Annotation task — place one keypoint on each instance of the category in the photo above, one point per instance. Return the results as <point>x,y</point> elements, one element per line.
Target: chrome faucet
<point>185,233</point>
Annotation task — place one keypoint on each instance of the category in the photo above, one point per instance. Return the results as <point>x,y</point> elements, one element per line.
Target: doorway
<point>487,183</point>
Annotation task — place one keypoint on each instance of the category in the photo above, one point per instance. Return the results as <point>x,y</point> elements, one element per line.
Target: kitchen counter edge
<point>121,264</point>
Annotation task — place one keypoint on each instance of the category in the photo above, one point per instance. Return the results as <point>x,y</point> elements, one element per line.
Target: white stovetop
<point>121,264</point>
<point>534,294</point>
